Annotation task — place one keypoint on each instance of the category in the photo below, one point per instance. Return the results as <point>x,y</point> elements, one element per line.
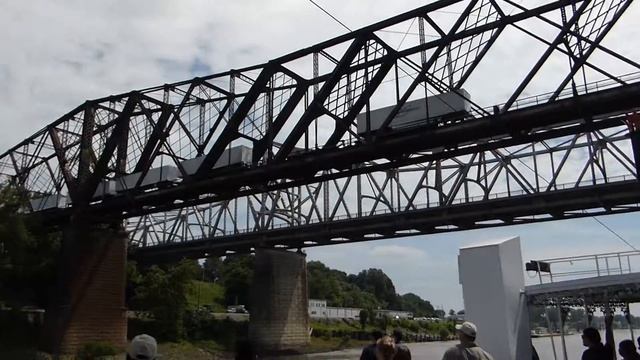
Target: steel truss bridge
<point>314,179</point>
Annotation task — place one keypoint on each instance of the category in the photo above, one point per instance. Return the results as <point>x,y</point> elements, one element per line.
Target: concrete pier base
<point>90,299</point>
<point>279,301</point>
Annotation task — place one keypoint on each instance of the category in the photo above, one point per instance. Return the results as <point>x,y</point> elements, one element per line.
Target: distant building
<point>318,309</point>
<point>394,314</point>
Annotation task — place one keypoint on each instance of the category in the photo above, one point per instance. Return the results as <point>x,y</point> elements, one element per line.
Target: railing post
<point>597,266</point>
<point>620,263</point>
<point>606,261</point>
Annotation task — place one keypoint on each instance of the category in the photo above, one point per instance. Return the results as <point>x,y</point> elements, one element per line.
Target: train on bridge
<point>448,107</point>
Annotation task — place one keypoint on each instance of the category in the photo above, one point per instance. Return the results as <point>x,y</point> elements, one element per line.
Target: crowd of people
<point>391,347</point>
<point>386,347</point>
<point>596,350</point>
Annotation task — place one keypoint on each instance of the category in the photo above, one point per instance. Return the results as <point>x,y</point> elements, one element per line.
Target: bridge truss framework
<point>314,179</point>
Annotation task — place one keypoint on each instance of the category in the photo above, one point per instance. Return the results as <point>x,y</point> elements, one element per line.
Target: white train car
<point>154,177</point>
<point>414,113</point>
<point>237,155</point>
<point>48,202</point>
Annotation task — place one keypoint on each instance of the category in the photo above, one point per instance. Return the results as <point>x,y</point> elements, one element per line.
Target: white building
<point>394,314</point>
<point>319,309</point>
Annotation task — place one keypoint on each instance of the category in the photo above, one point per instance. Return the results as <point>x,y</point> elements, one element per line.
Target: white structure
<point>237,155</point>
<point>154,177</point>
<point>414,113</point>
<point>48,202</point>
<point>319,309</point>
<point>395,314</point>
<point>343,313</point>
<point>492,278</point>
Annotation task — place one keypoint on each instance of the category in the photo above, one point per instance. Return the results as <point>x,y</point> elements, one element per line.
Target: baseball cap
<point>143,347</point>
<point>468,328</point>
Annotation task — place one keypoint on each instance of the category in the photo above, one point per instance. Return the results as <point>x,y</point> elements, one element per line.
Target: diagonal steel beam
<point>158,135</point>
<point>543,59</point>
<point>260,147</point>
<point>583,59</point>
<point>89,185</point>
<point>342,126</point>
<point>62,163</point>
<point>230,132</point>
<point>315,108</point>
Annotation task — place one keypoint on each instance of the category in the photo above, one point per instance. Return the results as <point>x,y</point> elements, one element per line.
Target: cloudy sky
<point>56,54</point>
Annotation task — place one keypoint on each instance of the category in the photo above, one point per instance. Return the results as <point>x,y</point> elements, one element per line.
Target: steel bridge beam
<point>562,204</point>
<point>512,125</point>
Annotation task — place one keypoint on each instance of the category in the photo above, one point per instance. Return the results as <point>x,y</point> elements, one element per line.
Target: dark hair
<point>468,337</point>
<point>627,347</point>
<point>397,334</point>
<point>591,334</point>
<point>377,334</point>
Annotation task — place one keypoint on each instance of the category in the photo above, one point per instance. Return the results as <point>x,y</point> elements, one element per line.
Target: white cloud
<point>56,54</point>
<point>397,252</point>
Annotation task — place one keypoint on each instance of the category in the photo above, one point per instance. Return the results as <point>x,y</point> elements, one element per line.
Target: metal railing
<point>589,266</point>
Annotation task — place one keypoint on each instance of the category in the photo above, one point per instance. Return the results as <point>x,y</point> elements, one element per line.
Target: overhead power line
<point>333,17</point>
<point>452,12</point>
<point>614,233</point>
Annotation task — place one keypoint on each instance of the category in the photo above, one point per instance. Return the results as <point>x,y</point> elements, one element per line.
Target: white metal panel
<point>105,187</point>
<point>414,113</point>
<point>48,202</point>
<point>237,155</point>
<point>154,176</point>
<point>492,279</point>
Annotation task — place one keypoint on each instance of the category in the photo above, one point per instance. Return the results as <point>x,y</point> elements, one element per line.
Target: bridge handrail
<point>597,265</point>
<point>458,201</point>
<point>582,89</point>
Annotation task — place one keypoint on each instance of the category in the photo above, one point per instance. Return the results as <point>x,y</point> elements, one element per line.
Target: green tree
<point>163,292</point>
<point>376,282</point>
<point>212,267</point>
<point>364,317</point>
<point>415,304</point>
<point>236,275</point>
<point>28,253</point>
<point>337,287</point>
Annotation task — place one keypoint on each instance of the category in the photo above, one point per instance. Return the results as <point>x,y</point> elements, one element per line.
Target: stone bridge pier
<point>279,301</point>
<point>89,304</point>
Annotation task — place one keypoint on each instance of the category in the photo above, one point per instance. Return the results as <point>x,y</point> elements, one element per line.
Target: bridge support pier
<point>279,301</point>
<point>90,301</point>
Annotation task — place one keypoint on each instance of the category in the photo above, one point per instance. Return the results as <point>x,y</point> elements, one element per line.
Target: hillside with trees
<point>369,289</point>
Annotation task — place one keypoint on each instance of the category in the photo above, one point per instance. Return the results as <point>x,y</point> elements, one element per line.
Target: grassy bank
<point>205,294</point>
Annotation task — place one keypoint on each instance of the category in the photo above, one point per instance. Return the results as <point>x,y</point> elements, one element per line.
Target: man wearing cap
<point>142,347</point>
<point>467,349</point>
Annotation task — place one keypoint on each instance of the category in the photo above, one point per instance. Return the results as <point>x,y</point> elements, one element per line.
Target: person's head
<point>397,335</point>
<point>385,347</point>
<point>626,348</point>
<point>143,347</point>
<point>467,332</point>
<point>638,340</point>
<point>590,337</point>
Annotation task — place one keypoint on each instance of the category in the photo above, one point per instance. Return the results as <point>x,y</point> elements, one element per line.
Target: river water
<point>434,350</point>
